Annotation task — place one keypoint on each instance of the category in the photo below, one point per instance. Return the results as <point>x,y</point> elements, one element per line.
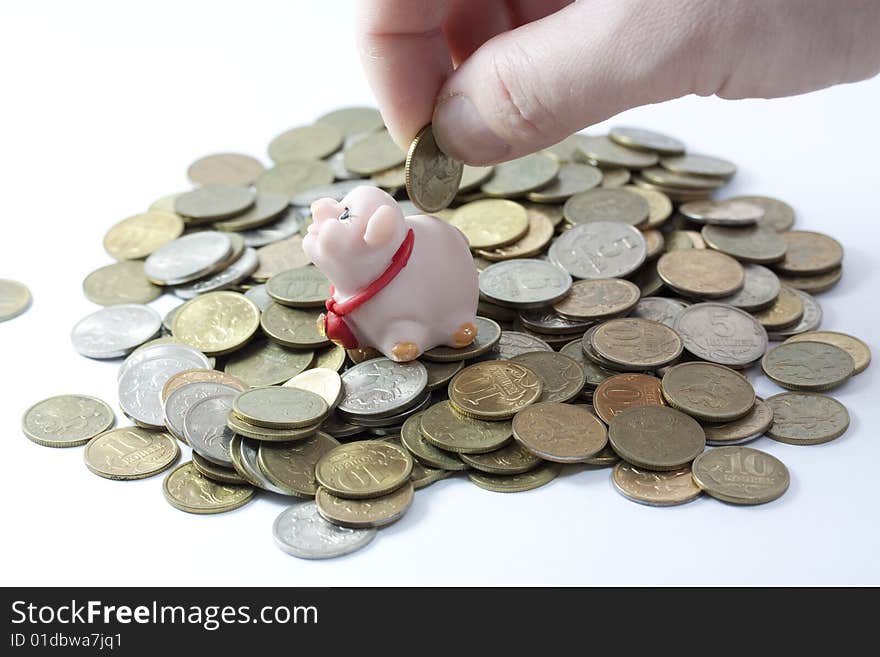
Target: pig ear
<point>324,208</point>
<point>382,226</point>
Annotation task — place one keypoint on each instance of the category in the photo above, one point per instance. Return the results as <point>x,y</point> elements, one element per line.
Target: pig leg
<point>403,340</point>
<point>464,336</point>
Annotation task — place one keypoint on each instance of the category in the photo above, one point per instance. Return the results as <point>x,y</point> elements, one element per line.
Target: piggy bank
<point>399,284</point>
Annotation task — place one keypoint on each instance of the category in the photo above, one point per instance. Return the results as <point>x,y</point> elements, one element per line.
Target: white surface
<point>105,105</point>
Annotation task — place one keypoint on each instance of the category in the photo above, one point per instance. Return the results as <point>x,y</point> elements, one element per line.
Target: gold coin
<point>598,298</point>
<point>375,152</point>
<point>494,389</point>
<point>279,257</point>
<point>373,512</point>
<point>701,273</point>
<point>815,283</point>
<point>559,432</point>
<point>659,205</point>
<point>412,438</point>
<point>676,194</point>
<point>603,152</point>
<point>607,205</point>
<point>566,150</point>
<point>442,426</point>
<point>293,327</point>
<point>217,322</point>
<point>491,223</point>
<point>314,141</point>
<point>187,489</point>
<point>740,475</point>
<point>699,165</point>
<point>15,298</point>
<point>683,182</point>
<point>432,177</point>
<point>809,253</point>
<point>615,177</point>
<point>365,469</point>
<point>655,488</point>
<point>199,376</point>
<point>267,363</point>
<point>130,453</point>
<point>291,466</point>
<point>225,169</point>
<point>325,383</point>
<point>517,483</point>
<point>121,282</point>
<point>266,434</point>
<point>572,178</point>
<point>779,215</point>
<point>216,472</point>
<point>536,239</point>
<point>858,350</point>
<point>562,377</point>
<point>331,357</point>
<point>520,176</point>
<point>140,235</point>
<point>786,310</point>
<point>294,177</point>
<point>646,140</point>
<point>509,460</point>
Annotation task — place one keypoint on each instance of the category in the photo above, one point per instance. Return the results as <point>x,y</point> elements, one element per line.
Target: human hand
<point>500,79</point>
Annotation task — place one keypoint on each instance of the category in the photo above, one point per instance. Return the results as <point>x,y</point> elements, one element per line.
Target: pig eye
<point>345,215</point>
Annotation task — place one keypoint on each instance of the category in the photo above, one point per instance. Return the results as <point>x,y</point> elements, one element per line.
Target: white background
<point>104,105</point>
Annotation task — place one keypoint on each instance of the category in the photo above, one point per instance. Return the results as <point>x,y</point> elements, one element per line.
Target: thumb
<point>531,87</point>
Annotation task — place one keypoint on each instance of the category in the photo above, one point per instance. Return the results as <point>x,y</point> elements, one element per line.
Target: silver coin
<point>760,289</point>
<point>730,212</point>
<point>337,191</point>
<point>289,224</point>
<point>114,331</point>
<point>514,343</point>
<point>204,427</point>
<point>141,387</point>
<point>247,453</point>
<point>183,398</point>
<point>547,320</point>
<point>721,334</point>
<point>302,532</point>
<point>188,258</point>
<point>601,249</point>
<point>658,309</point>
<point>235,273</point>
<point>525,283</point>
<point>810,320</point>
<point>381,387</point>
<point>259,296</point>
<point>386,421</point>
<point>177,350</point>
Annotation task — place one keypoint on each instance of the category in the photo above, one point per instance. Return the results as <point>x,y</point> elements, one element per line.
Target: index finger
<point>406,60</point>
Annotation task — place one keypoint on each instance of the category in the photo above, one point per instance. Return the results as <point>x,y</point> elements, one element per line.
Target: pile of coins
<point>621,305</point>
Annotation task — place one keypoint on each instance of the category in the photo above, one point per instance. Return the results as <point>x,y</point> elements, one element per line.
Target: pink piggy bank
<point>399,284</point>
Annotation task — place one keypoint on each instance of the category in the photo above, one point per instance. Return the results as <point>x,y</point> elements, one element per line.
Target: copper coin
<point>598,298</point>
<point>655,488</point>
<point>623,391</point>
<point>809,253</point>
<point>785,311</point>
<point>701,273</point>
<point>200,376</point>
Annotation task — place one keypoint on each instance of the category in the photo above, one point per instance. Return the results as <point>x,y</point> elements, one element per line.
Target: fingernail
<point>461,132</point>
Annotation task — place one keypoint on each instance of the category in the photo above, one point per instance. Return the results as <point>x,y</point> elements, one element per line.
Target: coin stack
<point>622,307</point>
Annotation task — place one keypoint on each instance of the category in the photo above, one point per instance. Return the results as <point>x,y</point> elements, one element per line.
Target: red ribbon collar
<point>398,262</point>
